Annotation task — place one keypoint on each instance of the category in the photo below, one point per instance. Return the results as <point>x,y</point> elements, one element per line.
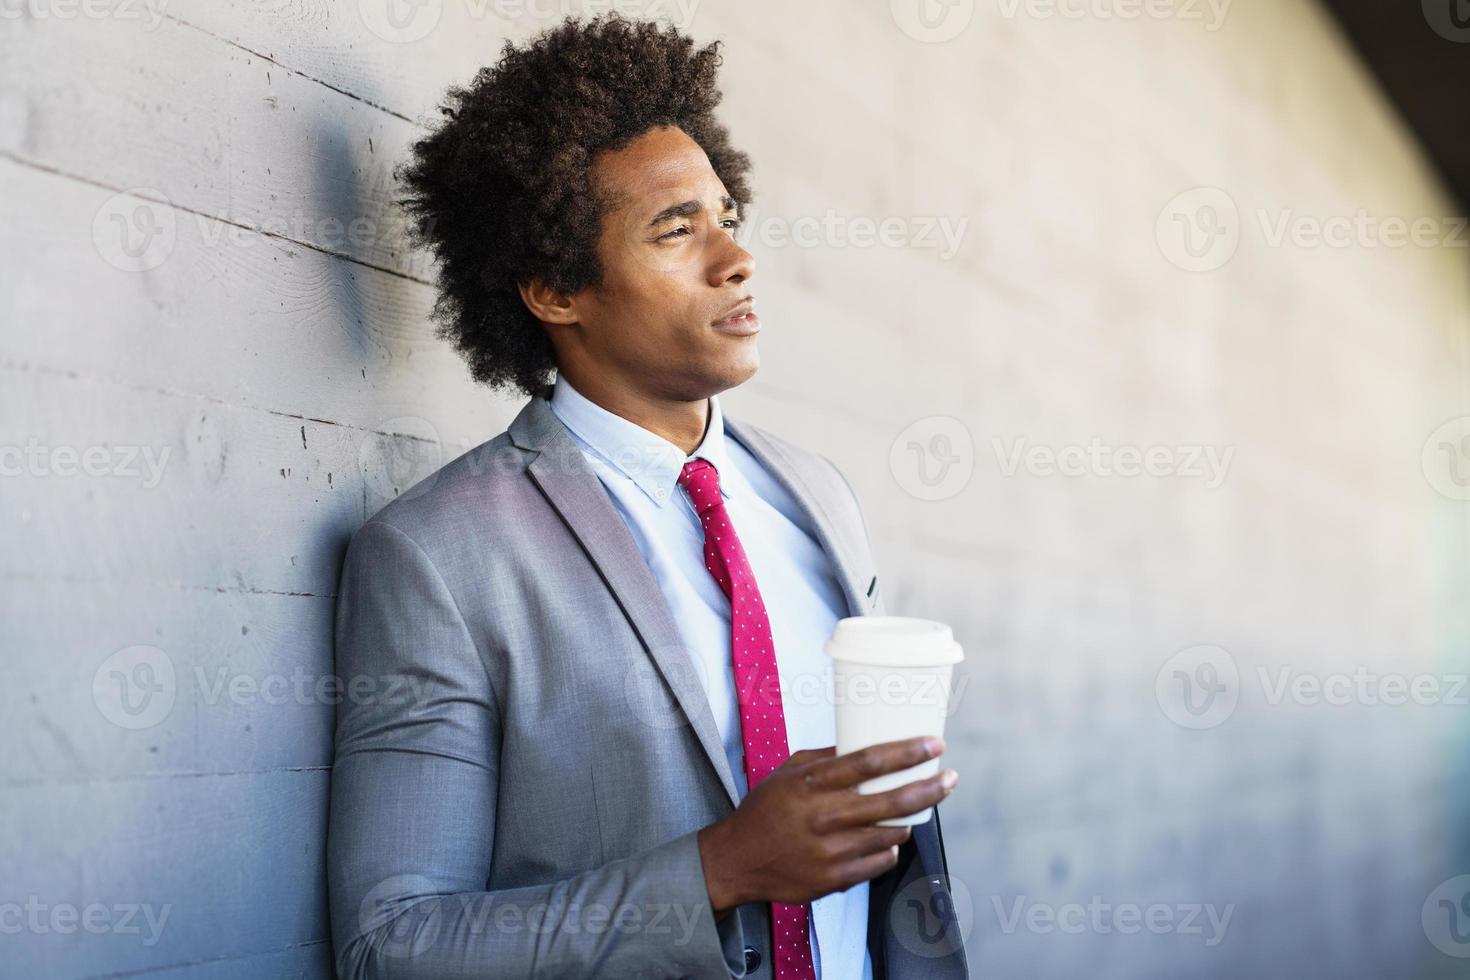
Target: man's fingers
<point>844,771</point>
<point>806,756</point>
<point>847,845</point>
<point>868,867</point>
<point>862,809</point>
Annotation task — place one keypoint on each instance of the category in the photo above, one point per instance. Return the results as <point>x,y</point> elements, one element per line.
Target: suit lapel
<point>779,464</point>
<point>572,487</point>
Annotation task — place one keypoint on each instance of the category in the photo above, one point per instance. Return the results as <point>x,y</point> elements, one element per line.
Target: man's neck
<point>681,423</point>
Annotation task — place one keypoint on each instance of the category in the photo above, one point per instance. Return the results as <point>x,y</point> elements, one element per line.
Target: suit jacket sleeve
<point>411,827</point>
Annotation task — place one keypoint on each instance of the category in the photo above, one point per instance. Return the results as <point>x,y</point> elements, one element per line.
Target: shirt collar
<point>648,459</point>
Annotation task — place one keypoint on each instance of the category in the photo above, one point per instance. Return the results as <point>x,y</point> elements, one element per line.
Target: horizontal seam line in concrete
<point>7,364</point>
<point>214,959</point>
<point>161,774</point>
<point>47,168</point>
<point>295,71</point>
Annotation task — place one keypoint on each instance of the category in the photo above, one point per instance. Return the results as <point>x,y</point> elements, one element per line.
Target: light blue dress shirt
<point>798,586</point>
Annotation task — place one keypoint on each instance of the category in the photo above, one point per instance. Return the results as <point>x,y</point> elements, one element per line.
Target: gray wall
<point>215,362</point>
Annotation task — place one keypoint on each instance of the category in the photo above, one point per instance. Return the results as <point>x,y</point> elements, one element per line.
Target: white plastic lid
<point>893,641</point>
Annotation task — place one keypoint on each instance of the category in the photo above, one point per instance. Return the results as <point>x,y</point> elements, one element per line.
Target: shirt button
<point>752,958</point>
<point>660,493</point>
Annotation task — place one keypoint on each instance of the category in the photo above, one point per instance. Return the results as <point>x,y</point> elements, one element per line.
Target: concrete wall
<point>216,362</point>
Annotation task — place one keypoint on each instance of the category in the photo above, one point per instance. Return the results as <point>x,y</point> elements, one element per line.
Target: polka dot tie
<point>757,685</point>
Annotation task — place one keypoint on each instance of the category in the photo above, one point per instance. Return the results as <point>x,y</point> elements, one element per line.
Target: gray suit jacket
<point>524,753</point>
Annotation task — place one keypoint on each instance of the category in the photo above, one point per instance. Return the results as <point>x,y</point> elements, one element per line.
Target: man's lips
<point>743,325</point>
<point>740,318</point>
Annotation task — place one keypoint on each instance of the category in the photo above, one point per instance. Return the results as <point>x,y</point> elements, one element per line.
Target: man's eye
<point>731,223</point>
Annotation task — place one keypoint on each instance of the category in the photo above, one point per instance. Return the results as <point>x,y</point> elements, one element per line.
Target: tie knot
<point>700,478</point>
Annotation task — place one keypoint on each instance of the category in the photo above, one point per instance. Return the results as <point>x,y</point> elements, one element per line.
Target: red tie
<point>757,685</point>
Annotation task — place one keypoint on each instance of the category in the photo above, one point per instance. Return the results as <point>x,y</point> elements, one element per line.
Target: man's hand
<point>805,831</point>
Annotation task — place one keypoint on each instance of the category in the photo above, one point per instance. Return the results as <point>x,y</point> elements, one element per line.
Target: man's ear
<point>545,303</point>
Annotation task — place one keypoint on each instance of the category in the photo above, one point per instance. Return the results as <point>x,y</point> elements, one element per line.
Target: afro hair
<point>501,191</point>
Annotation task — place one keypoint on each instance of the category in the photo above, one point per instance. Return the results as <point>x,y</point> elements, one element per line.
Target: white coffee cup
<point>890,681</point>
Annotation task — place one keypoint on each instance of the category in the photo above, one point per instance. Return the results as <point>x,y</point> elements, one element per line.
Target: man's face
<point>671,269</point>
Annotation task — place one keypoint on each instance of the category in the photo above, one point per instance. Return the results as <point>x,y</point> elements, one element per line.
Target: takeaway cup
<point>890,681</point>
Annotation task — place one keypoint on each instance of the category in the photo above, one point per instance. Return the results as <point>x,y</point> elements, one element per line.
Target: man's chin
<point>745,369</point>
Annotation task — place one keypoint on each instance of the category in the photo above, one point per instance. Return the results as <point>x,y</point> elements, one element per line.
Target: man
<point>610,758</point>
